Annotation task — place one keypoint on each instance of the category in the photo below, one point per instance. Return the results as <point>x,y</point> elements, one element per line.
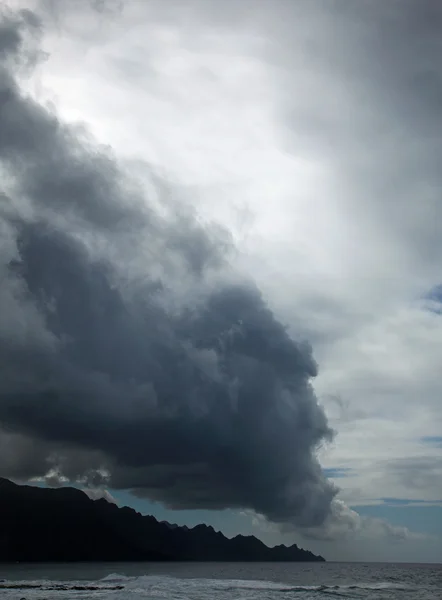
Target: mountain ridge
<point>65,525</point>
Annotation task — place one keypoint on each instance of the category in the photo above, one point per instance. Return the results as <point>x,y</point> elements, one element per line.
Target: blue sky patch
<point>337,472</point>
<point>407,501</point>
<point>423,519</point>
<point>435,294</point>
<point>434,297</point>
<point>434,440</point>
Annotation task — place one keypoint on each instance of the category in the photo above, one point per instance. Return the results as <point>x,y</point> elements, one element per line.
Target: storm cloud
<point>131,353</point>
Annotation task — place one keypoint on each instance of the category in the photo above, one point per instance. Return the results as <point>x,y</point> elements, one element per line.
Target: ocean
<point>221,581</point>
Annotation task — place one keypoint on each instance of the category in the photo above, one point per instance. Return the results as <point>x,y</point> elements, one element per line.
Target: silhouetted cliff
<point>63,524</point>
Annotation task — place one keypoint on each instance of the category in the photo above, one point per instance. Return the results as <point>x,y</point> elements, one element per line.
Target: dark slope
<point>63,524</point>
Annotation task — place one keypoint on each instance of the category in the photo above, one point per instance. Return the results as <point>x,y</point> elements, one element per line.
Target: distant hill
<point>63,524</point>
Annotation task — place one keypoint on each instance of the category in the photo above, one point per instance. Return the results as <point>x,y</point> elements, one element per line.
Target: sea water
<point>221,581</point>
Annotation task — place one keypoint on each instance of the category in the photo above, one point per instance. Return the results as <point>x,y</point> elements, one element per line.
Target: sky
<point>220,253</point>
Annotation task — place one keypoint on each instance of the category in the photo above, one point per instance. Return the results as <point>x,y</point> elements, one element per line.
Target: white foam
<point>116,578</point>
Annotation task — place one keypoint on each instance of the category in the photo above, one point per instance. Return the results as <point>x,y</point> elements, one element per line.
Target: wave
<point>59,586</point>
<point>116,578</point>
<point>336,590</point>
<point>382,585</point>
<point>192,587</point>
<point>332,590</point>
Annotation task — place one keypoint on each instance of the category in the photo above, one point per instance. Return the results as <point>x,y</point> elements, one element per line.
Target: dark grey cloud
<point>130,354</point>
